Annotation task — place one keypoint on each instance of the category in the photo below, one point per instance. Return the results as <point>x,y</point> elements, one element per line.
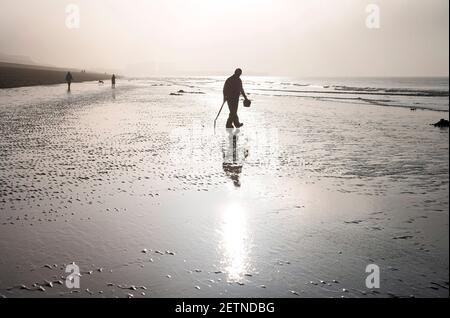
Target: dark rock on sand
<point>181,92</point>
<point>404,237</point>
<point>441,124</point>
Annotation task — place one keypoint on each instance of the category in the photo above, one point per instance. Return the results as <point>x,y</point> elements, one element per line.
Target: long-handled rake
<point>218,116</point>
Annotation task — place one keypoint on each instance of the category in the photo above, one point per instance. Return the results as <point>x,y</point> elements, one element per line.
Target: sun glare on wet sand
<point>236,242</point>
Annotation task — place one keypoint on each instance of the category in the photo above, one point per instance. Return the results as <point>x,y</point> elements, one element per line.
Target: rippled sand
<point>136,188</point>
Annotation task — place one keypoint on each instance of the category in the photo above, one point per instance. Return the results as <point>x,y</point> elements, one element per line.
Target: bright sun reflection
<point>235,243</point>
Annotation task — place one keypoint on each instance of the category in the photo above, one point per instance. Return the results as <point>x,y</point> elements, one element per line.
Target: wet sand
<point>136,188</point>
<point>17,75</point>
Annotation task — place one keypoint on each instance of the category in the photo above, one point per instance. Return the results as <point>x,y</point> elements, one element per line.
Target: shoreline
<point>18,75</point>
<point>345,101</point>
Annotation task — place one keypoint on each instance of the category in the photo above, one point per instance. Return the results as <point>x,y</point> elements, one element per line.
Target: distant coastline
<point>19,75</point>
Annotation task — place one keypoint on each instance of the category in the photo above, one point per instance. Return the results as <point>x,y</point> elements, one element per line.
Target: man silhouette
<point>69,79</point>
<point>113,81</point>
<point>231,91</point>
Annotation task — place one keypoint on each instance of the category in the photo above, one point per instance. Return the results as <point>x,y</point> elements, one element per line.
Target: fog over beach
<point>338,168</point>
<point>321,38</point>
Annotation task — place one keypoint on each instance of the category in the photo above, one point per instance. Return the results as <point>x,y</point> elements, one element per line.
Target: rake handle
<point>219,113</point>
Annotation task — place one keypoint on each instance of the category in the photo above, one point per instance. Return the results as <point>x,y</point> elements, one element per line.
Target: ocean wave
<point>367,101</point>
<point>392,91</point>
<point>365,91</point>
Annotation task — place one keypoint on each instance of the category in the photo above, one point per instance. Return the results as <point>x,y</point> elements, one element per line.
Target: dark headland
<point>18,75</point>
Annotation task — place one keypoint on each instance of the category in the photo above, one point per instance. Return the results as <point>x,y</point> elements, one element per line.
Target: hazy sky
<point>273,37</point>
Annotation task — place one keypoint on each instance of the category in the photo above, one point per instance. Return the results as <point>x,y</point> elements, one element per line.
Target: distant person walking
<point>69,79</point>
<point>113,81</point>
<point>232,90</point>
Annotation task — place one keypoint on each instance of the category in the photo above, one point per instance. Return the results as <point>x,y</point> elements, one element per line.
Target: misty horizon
<point>267,38</point>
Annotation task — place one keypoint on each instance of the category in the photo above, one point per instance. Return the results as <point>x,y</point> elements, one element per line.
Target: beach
<point>135,187</point>
<point>19,75</point>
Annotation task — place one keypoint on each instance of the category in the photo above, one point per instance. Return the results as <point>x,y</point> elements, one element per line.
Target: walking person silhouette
<point>232,90</point>
<point>69,79</point>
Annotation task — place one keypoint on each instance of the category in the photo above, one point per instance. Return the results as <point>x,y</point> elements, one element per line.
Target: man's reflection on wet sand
<point>234,156</point>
